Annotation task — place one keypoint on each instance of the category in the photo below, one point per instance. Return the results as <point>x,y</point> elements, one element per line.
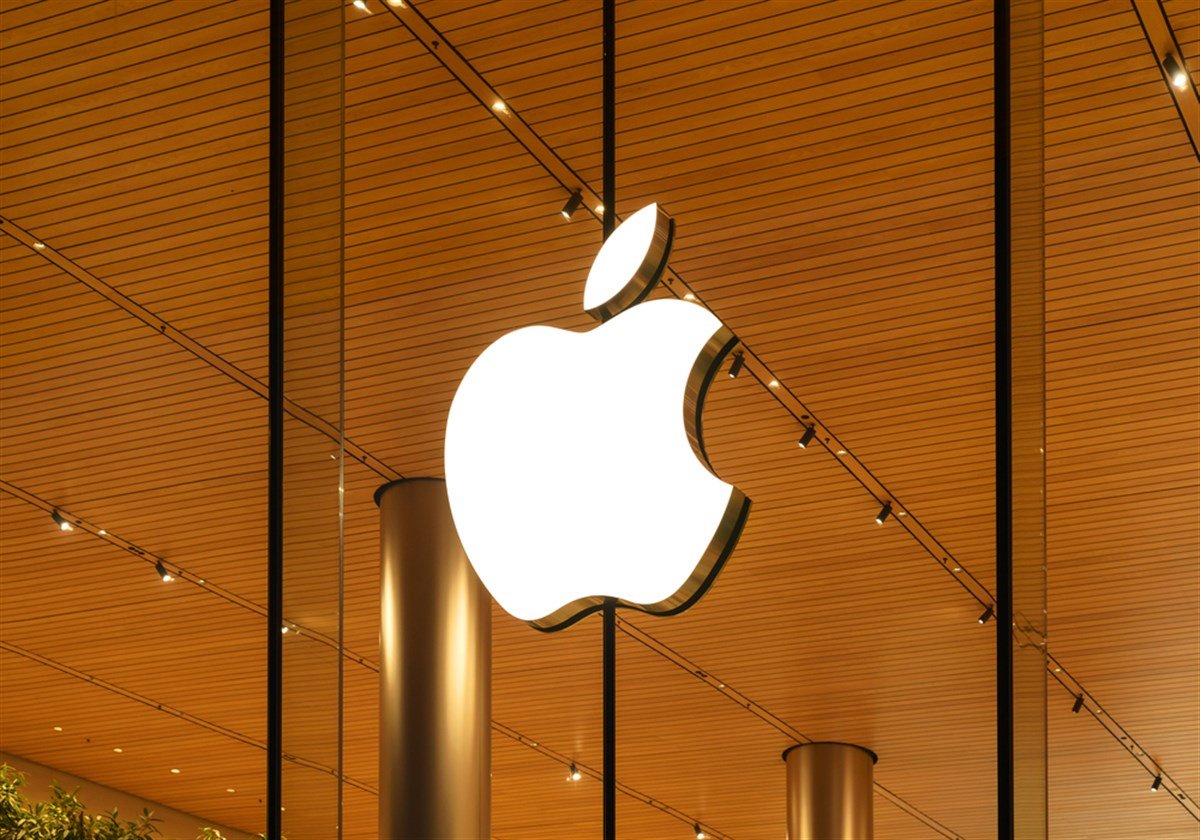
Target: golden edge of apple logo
<point>708,363</point>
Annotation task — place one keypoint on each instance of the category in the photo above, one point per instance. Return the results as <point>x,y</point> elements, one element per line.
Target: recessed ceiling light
<point>103,533</point>
<point>39,245</point>
<point>689,296</point>
<point>361,6</point>
<point>118,750</point>
<point>58,729</point>
<point>230,790</point>
<point>599,208</point>
<point>175,770</point>
<point>774,383</point>
<point>499,107</point>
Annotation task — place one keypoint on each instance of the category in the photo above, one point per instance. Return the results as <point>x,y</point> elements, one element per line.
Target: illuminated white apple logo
<point>575,464</point>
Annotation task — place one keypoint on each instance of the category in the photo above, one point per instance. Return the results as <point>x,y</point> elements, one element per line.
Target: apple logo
<point>575,463</point>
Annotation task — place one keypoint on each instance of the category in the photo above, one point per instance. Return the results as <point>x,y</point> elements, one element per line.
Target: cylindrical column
<point>830,792</point>
<point>435,672</point>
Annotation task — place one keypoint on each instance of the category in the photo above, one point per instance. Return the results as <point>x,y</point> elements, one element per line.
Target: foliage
<point>64,817</point>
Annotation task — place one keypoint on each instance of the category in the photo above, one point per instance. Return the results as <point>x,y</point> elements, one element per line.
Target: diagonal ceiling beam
<point>1156,26</point>
<point>191,345</point>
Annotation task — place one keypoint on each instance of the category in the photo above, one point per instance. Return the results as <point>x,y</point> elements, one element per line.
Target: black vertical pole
<point>610,721</point>
<point>1003,337</point>
<point>275,430</point>
<point>610,611</point>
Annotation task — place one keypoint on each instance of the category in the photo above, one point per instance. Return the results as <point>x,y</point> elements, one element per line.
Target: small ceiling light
<point>574,775</point>
<point>700,835</point>
<point>63,523</point>
<point>774,383</point>
<point>810,432</point>
<point>175,770</point>
<point>399,4</point>
<point>599,208</point>
<point>736,367</point>
<point>572,205</point>
<point>58,729</point>
<point>361,5</point>
<point>39,245</point>
<point>689,296</point>
<point>230,790</point>
<point>883,514</point>
<point>499,107</point>
<point>1078,704</point>
<point>103,533</point>
<point>283,629</point>
<point>166,576</point>
<point>983,619</point>
<point>1157,783</point>
<point>118,750</point>
<point>1175,73</point>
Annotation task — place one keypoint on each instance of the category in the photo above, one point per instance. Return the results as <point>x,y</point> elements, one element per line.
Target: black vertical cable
<point>609,143</point>
<point>1003,305</point>
<point>610,611</point>
<point>275,431</point>
<point>610,721</point>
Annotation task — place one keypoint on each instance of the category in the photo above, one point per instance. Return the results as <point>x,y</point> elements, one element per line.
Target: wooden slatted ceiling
<point>841,227</point>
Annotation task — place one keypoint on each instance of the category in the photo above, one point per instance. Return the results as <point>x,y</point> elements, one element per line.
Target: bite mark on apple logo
<point>575,462</point>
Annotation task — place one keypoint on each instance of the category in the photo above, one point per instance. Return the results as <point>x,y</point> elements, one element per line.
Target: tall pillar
<point>435,672</point>
<point>830,792</point>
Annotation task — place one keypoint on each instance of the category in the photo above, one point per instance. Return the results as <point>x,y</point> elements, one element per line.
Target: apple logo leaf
<point>575,462</point>
<point>629,264</point>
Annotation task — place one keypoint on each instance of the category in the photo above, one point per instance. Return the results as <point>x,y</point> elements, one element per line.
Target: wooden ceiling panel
<point>829,167</point>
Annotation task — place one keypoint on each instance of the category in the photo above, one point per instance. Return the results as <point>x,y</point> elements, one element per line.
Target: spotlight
<point>63,523</point>
<point>361,6</point>
<point>883,514</point>
<point>700,835</point>
<point>574,775</point>
<point>810,432</point>
<point>1175,73</point>
<point>572,205</point>
<point>499,107</point>
<point>283,629</point>
<point>1157,783</point>
<point>162,572</point>
<point>983,619</point>
<point>1078,704</point>
<point>736,367</point>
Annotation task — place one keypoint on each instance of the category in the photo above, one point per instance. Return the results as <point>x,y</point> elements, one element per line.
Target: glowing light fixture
<point>572,205</point>
<point>499,107</point>
<point>1157,783</point>
<point>175,770</point>
<point>983,619</point>
<point>58,729</point>
<point>230,790</point>
<point>1175,72</point>
<point>361,6</point>
<point>700,835</point>
<point>39,245</point>
<point>166,576</point>
<point>883,515</point>
<point>64,524</point>
<point>810,432</point>
<point>118,750</point>
<point>574,775</point>
<point>575,463</point>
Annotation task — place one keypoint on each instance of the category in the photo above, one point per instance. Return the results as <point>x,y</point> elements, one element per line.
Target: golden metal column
<point>830,792</point>
<point>435,672</point>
